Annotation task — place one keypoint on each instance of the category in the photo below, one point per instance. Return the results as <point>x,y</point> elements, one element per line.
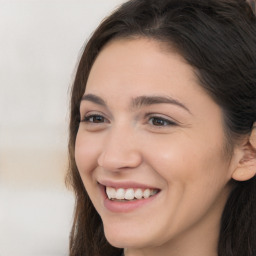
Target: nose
<point>120,151</point>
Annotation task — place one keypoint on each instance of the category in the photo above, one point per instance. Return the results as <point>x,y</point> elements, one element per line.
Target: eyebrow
<point>94,98</point>
<point>150,100</point>
<point>138,102</point>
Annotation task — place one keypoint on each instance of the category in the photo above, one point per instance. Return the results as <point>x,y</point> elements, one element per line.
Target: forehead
<point>138,66</point>
<point>143,52</point>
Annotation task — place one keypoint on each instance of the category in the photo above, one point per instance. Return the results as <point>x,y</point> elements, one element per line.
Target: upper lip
<point>125,184</point>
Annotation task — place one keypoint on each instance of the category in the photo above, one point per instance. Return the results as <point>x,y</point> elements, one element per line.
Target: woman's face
<point>149,130</point>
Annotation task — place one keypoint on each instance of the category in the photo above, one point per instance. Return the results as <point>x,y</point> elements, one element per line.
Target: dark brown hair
<point>217,38</point>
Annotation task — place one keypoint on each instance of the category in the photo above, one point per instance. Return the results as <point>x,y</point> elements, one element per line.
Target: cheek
<point>194,175</point>
<point>86,154</point>
<point>170,156</point>
<point>181,159</point>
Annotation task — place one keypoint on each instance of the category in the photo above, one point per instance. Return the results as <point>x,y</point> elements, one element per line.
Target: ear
<point>246,168</point>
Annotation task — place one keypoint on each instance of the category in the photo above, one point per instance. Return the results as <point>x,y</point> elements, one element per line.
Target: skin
<point>184,157</point>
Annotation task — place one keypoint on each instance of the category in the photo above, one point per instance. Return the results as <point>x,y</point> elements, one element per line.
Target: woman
<point>162,134</point>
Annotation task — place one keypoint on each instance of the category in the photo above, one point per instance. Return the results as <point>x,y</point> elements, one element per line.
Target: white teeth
<point>130,193</point>
<point>138,193</point>
<point>120,194</point>
<point>111,192</point>
<point>146,193</point>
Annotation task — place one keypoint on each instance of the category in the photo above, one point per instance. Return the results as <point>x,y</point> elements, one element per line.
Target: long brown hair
<point>217,38</point>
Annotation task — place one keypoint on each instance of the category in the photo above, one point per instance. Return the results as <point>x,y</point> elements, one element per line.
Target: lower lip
<point>126,206</point>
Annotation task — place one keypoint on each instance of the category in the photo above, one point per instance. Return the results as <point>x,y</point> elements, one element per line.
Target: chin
<point>123,239</point>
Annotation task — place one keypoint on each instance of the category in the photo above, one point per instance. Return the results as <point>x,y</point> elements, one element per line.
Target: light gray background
<point>40,42</point>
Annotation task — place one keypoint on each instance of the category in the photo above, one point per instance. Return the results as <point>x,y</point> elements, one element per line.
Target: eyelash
<point>86,119</point>
<point>162,122</point>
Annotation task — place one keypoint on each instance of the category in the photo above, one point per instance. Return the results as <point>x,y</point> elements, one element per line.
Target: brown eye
<point>158,121</point>
<point>94,119</point>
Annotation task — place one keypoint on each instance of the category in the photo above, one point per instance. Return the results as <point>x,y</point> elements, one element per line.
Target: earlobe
<point>244,173</point>
<point>246,168</point>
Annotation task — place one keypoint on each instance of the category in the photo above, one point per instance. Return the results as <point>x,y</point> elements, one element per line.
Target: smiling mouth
<point>129,194</point>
